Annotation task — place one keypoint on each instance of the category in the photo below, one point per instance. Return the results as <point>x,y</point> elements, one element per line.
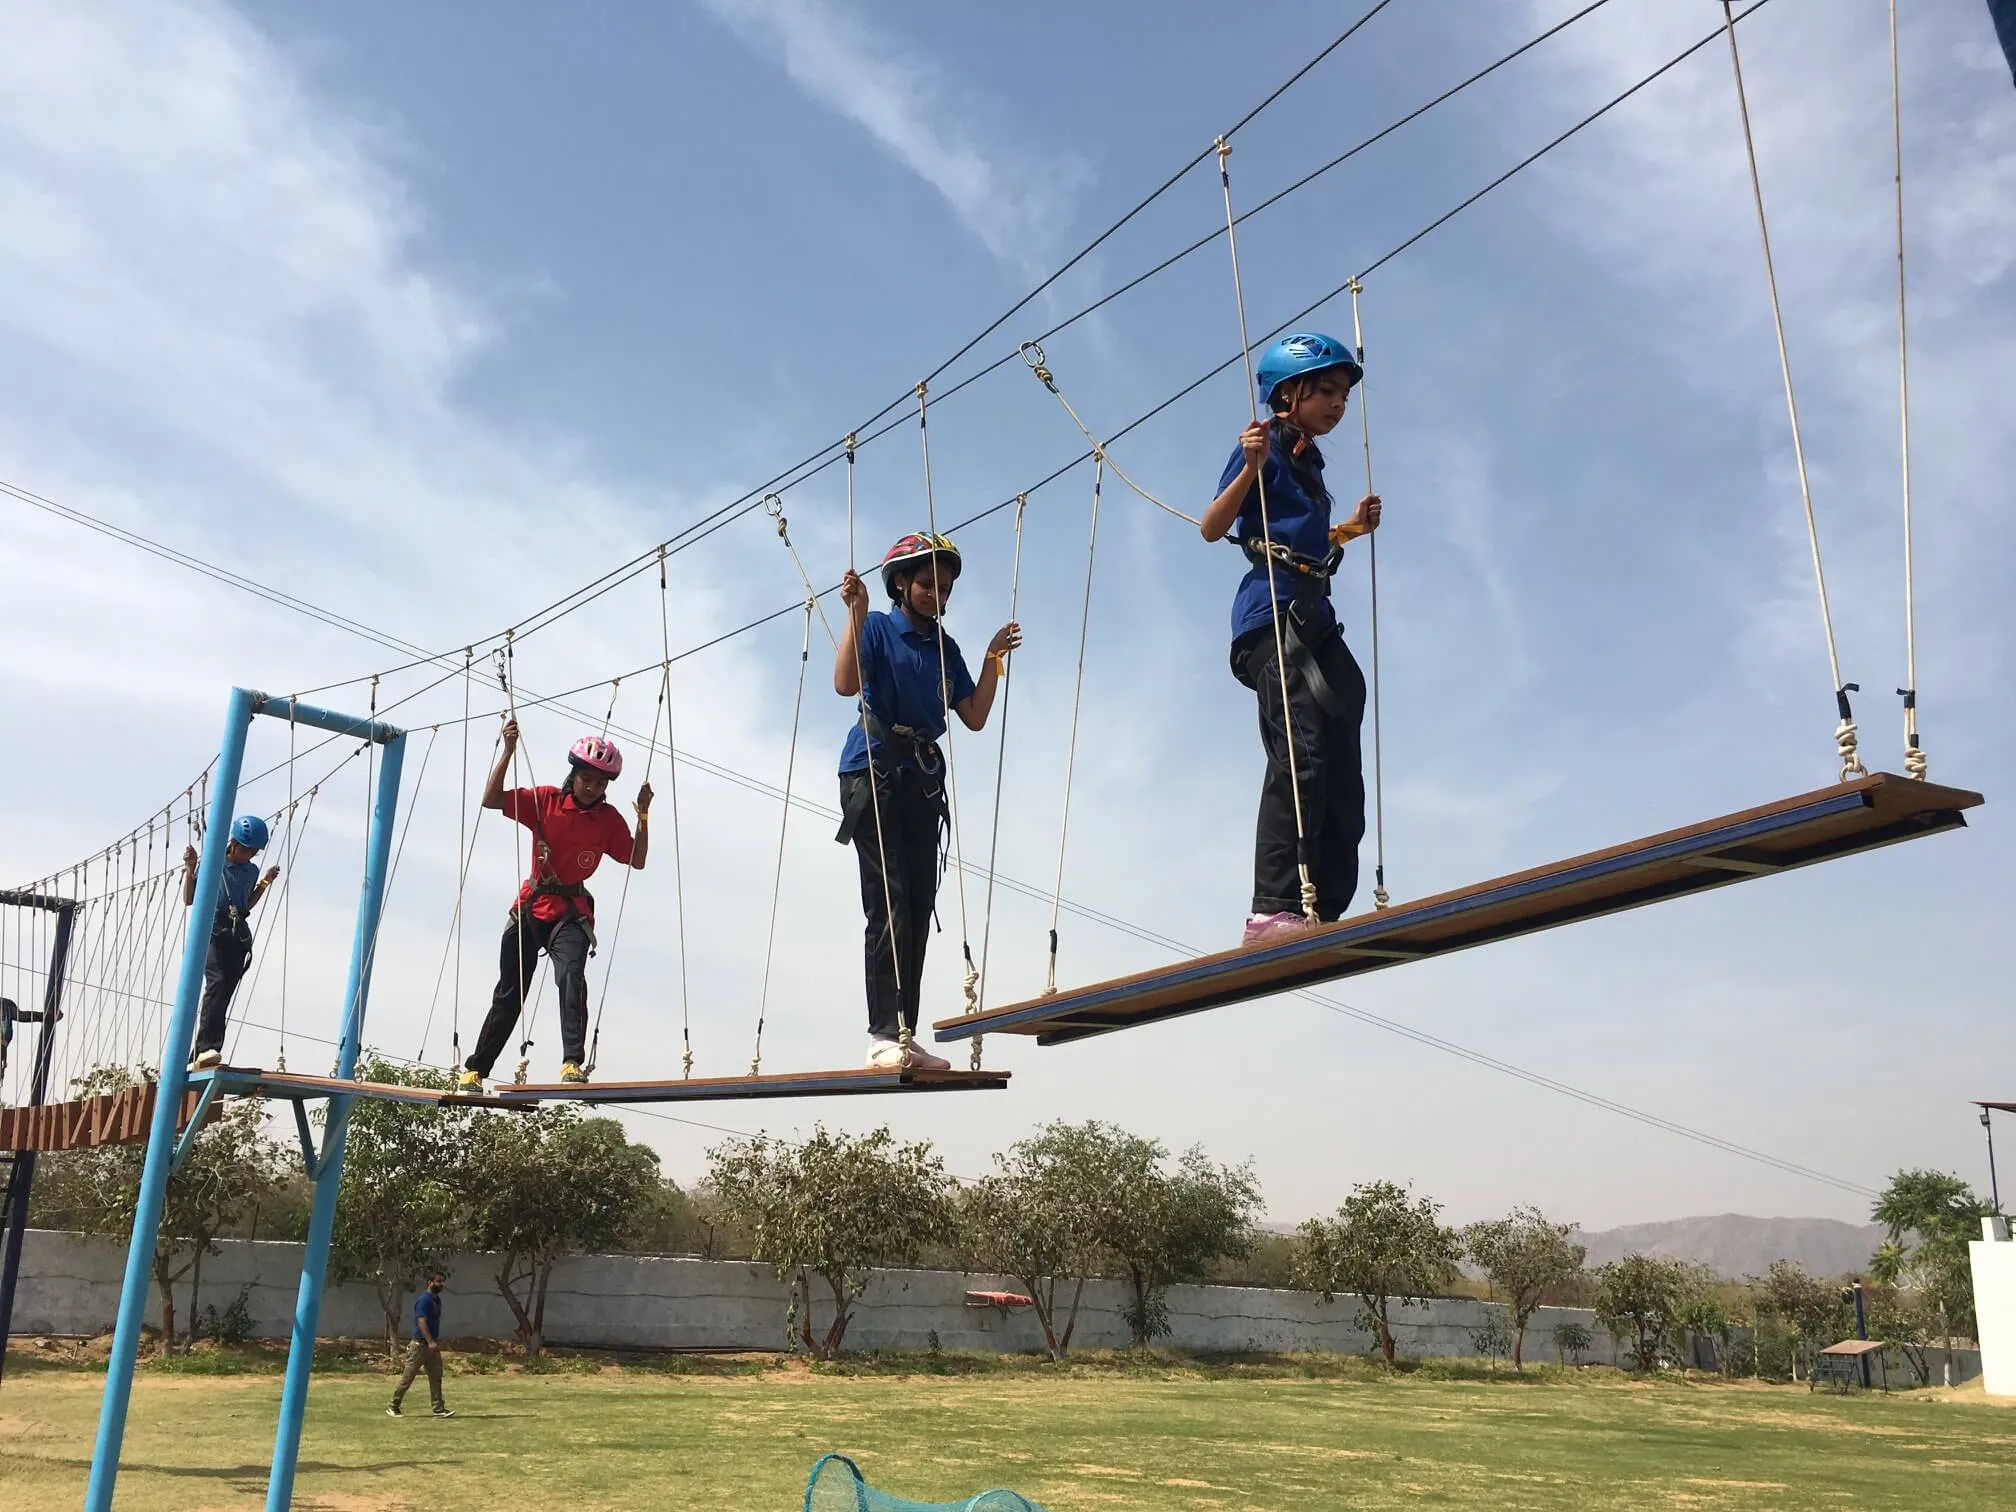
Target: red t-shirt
<point>569,842</point>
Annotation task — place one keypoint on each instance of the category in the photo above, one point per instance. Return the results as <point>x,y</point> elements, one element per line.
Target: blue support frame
<point>162,1143</point>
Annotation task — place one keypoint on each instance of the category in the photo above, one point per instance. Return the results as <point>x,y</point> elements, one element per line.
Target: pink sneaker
<point>1264,928</point>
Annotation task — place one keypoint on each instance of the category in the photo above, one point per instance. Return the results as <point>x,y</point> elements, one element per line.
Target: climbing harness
<point>1308,883</point>
<point>1844,732</point>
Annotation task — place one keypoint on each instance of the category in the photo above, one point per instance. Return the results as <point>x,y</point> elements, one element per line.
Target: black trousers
<point>566,941</point>
<point>1328,759</point>
<point>223,968</point>
<point>898,920</point>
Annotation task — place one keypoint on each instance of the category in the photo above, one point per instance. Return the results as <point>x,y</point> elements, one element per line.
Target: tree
<point>544,1184</point>
<point>1931,1216</point>
<point>397,1211</point>
<point>1808,1311</point>
<point>1160,1227</point>
<point>1571,1339</point>
<point>1646,1298</point>
<point>1525,1258</point>
<point>231,1167</point>
<point>1383,1248</point>
<point>833,1207</point>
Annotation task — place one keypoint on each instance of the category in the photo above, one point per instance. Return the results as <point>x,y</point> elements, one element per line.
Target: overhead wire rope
<point>972,977</point>
<point>1914,754</point>
<point>1302,868</point>
<point>783,829</point>
<point>1380,897</point>
<point>1071,742</point>
<point>1844,732</point>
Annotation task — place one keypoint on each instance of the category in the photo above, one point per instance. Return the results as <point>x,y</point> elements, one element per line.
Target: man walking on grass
<point>425,1349</point>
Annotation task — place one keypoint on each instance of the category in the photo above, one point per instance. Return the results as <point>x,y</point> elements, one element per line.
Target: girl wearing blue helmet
<point>1286,639</point>
<point>230,932</point>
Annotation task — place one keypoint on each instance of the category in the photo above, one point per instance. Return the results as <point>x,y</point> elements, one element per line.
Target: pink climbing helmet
<point>598,755</point>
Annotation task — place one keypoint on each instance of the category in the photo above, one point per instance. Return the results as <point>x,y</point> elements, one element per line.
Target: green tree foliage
<point>1042,1216</point>
<point>397,1211</point>
<point>1526,1258</point>
<point>540,1185</point>
<point>1930,1217</point>
<point>1383,1247</point>
<point>233,1165</point>
<point>833,1207</point>
<point>1160,1227</point>
<point>1798,1315</point>
<point>1647,1299</point>
<point>1571,1342</point>
<point>670,1221</point>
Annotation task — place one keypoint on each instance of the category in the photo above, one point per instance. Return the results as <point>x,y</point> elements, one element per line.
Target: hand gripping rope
<point>1380,897</point>
<point>1267,541</point>
<point>1844,732</point>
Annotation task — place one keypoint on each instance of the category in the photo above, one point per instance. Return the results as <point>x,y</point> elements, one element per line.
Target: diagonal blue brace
<point>309,1158</point>
<point>187,1142</point>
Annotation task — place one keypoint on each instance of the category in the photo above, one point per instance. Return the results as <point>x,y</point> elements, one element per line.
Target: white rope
<point>672,785</point>
<point>1000,769</point>
<point>1380,897</point>
<point>463,846</point>
<point>972,979</point>
<point>520,917</point>
<point>1844,732</point>
<point>783,829</point>
<point>1071,745</point>
<point>1914,754</point>
<point>1267,541</point>
<point>622,897</point>
<point>287,890</point>
<point>1032,353</point>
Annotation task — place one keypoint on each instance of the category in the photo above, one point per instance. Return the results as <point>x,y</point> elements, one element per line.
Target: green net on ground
<point>837,1485</point>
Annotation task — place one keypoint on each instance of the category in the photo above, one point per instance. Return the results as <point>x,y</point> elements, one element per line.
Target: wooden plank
<point>851,1081</point>
<point>1877,810</point>
<point>121,1117</point>
<point>250,1081</point>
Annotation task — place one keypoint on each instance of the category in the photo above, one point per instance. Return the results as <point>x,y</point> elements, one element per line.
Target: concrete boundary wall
<point>70,1285</point>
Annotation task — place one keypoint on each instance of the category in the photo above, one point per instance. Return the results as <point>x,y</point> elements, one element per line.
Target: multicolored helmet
<point>920,546</point>
<point>598,755</point>
<point>1299,355</point>
<point>249,830</point>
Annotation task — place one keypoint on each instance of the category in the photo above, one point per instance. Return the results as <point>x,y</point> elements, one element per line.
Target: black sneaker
<point>393,1411</point>
<point>443,1412</point>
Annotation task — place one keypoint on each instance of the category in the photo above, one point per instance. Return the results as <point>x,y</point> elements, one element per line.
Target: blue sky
<point>432,315</point>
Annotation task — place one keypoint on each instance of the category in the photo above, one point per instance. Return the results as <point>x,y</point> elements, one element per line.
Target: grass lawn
<point>1105,1434</point>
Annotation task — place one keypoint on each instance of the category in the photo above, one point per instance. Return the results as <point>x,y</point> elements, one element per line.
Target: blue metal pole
<point>329,1176</point>
<point>167,1106</point>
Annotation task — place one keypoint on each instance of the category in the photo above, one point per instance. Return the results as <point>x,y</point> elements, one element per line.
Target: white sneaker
<point>923,1060</point>
<point>206,1060</point>
<point>886,1054</point>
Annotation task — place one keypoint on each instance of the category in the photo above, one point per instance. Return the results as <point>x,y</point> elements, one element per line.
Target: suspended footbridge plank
<point>849,1082</point>
<point>294,1086</point>
<point>1859,815</point>
<point>85,1123</point>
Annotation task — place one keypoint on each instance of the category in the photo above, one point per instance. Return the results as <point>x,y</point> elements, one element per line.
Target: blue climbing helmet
<point>249,830</point>
<point>1297,356</point>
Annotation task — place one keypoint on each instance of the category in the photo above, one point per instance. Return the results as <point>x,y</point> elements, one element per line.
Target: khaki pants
<point>419,1356</point>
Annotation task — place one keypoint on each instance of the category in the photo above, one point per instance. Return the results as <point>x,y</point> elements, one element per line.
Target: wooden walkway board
<point>120,1117</point>
<point>852,1081</point>
<point>248,1081</point>
<point>1861,815</point>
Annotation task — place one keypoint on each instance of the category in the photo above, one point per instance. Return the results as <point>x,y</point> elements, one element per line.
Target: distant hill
<point>1734,1245</point>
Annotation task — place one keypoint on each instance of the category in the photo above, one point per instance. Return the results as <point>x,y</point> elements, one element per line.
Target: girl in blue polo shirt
<point>892,793</point>
<point>230,951</point>
<point>1304,381</point>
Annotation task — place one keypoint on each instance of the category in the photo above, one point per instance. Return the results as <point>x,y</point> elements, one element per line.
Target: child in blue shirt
<point>892,792</point>
<point>1304,381</point>
<point>230,932</point>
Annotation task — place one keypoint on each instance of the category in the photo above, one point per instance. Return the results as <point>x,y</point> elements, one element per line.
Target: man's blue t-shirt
<point>900,681</point>
<point>240,877</point>
<point>427,1306</point>
<point>1298,517</point>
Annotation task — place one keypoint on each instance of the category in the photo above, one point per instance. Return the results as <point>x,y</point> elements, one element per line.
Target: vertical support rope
<point>623,896</point>
<point>972,981</point>
<point>1071,744</point>
<point>461,883</point>
<point>783,829</point>
<point>1380,897</point>
<point>287,890</point>
<point>370,799</point>
<point>1914,755</point>
<point>1000,769</point>
<point>1844,732</point>
<point>868,745</point>
<point>1267,541</point>
<point>672,782</point>
<point>507,675</point>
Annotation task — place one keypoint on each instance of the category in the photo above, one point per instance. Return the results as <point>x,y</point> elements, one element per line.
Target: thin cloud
<point>1006,202</point>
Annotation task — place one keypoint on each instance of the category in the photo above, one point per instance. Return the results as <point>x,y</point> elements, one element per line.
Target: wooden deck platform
<point>120,1117</point>
<point>852,1081</point>
<point>1868,812</point>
